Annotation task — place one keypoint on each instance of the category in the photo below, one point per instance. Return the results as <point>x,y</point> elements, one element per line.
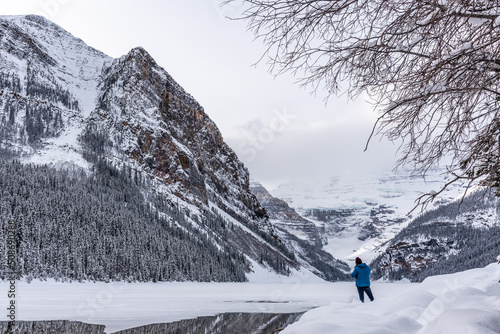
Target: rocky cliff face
<point>454,237</point>
<point>65,103</point>
<point>285,217</point>
<point>300,234</point>
<point>146,117</point>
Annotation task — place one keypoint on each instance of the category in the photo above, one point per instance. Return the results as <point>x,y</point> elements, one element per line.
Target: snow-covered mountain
<point>126,128</point>
<point>46,70</point>
<point>460,235</point>
<point>128,109</point>
<point>66,104</point>
<point>358,214</point>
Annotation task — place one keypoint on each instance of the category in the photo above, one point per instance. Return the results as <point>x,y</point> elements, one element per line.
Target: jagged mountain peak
<point>141,52</point>
<point>162,128</point>
<point>37,21</point>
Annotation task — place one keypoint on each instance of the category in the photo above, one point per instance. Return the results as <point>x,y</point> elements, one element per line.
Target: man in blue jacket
<point>362,274</point>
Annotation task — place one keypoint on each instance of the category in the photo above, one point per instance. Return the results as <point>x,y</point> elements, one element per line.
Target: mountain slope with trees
<point>73,226</point>
<point>453,237</point>
<point>122,175</point>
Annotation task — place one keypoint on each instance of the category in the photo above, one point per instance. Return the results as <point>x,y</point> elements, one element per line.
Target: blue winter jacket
<point>362,274</point>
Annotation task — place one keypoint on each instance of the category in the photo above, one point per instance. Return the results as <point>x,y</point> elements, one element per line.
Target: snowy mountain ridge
<point>77,66</point>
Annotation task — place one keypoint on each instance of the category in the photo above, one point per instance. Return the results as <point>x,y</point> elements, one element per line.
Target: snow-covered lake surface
<point>467,302</point>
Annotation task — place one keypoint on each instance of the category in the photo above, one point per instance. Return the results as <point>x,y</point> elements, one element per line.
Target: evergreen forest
<point>100,227</point>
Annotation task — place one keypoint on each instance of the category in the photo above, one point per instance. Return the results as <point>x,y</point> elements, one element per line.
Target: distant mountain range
<point>301,235</point>
<point>358,214</point>
<point>374,217</point>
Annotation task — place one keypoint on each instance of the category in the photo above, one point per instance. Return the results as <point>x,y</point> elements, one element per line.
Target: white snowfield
<point>461,303</point>
<point>466,302</point>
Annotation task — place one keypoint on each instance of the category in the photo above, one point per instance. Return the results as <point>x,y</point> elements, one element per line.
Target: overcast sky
<point>280,131</point>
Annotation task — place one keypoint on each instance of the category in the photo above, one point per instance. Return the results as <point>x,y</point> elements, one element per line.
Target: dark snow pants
<point>361,292</point>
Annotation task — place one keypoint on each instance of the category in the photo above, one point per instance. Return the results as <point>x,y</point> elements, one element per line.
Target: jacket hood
<point>362,265</point>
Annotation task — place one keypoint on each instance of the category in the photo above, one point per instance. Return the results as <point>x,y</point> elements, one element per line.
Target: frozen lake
<point>462,303</point>
<point>121,306</point>
<point>243,323</point>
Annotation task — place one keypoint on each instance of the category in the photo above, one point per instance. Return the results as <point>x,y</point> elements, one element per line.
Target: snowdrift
<point>465,302</point>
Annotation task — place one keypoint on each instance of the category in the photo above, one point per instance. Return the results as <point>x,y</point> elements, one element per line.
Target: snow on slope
<point>77,67</point>
<point>461,303</point>
<point>396,189</point>
<point>365,211</point>
<point>259,274</point>
<point>73,66</point>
